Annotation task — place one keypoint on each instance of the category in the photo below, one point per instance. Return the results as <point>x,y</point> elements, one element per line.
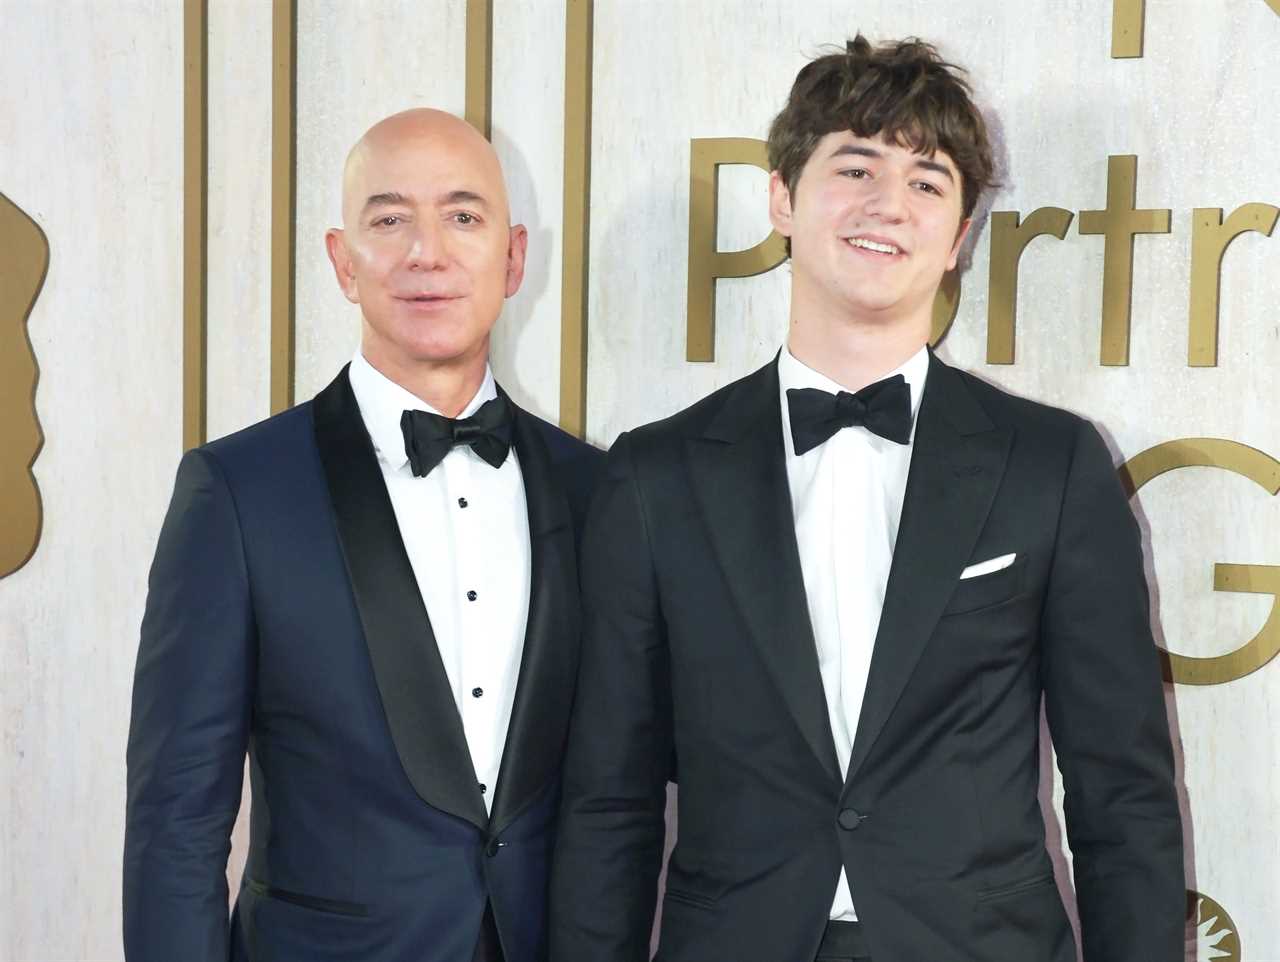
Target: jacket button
<point>849,819</point>
<point>492,848</point>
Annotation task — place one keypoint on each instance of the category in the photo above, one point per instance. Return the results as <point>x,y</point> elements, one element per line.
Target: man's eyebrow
<point>387,199</point>
<point>463,197</point>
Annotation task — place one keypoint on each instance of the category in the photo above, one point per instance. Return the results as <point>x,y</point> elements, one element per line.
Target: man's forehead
<point>422,172</point>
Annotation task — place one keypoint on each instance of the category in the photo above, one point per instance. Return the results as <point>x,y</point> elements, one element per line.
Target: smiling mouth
<point>427,298</point>
<point>877,246</point>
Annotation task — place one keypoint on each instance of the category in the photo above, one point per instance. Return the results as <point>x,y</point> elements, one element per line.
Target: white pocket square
<point>986,567</point>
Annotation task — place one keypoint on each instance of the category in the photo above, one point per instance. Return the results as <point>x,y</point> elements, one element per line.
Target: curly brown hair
<point>902,91</point>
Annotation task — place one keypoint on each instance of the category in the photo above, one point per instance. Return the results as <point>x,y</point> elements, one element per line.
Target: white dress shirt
<point>465,527</point>
<point>846,496</point>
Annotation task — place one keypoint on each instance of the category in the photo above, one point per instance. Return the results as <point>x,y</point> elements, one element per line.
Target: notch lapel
<point>956,467</point>
<point>544,690</point>
<point>740,480</point>
<point>416,697</point>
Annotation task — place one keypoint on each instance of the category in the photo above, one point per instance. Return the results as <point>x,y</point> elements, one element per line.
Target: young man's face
<point>873,227</point>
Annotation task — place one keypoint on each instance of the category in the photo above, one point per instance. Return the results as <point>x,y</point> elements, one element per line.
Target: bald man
<point>374,595</point>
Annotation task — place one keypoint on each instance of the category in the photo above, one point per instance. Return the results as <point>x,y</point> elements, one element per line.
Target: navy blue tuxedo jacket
<point>283,620</point>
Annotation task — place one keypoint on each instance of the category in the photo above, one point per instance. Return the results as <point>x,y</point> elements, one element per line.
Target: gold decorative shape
<point>1264,471</point>
<point>195,222</point>
<point>24,260</point>
<point>479,69</point>
<point>1128,18</point>
<point>1209,240</point>
<point>1119,223</point>
<point>1274,5</point>
<point>577,216</point>
<point>946,304</point>
<point>1008,240</point>
<point>706,264</point>
<point>1211,932</point>
<point>284,199</point>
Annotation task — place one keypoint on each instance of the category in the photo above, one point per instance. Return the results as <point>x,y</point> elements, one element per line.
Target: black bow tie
<point>883,408</point>
<point>429,437</point>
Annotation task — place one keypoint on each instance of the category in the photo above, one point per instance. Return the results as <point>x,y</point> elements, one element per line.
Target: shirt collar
<point>793,373</point>
<point>382,401</point>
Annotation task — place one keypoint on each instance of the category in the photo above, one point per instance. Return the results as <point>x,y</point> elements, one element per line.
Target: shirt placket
<point>466,507</point>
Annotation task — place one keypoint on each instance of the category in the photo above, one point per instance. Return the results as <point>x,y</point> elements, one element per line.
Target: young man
<point>374,594</point>
<point>829,599</point>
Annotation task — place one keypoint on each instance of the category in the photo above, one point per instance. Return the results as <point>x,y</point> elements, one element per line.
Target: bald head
<point>394,145</point>
<point>427,250</point>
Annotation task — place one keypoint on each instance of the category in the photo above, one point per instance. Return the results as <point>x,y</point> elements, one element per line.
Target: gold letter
<point>24,258</point>
<point>1008,241</point>
<point>1119,222</point>
<point>706,155</point>
<point>1259,579</point>
<point>1209,240</point>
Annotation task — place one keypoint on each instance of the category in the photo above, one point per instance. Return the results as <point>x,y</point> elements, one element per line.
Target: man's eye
<point>390,220</point>
<point>927,187</point>
<point>462,217</point>
<point>857,173</point>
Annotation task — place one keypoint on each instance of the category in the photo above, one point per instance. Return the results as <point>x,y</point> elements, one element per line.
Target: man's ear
<point>961,234</point>
<point>517,247</point>
<point>779,204</point>
<point>335,242</point>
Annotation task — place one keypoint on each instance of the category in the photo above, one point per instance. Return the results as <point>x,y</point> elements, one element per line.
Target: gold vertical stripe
<point>195,220</point>
<point>284,192</point>
<point>479,105</point>
<point>1128,19</point>
<point>577,195</point>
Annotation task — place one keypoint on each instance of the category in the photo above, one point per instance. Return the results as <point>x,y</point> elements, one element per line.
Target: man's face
<point>873,227</point>
<point>426,250</point>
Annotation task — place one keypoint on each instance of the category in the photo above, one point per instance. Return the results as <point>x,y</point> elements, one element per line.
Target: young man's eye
<point>928,188</point>
<point>857,173</point>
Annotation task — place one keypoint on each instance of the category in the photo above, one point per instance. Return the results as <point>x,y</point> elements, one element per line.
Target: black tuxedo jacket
<point>283,618</point>
<point>699,665</point>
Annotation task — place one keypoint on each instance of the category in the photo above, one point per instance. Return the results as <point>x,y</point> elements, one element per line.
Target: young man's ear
<point>779,204</point>
<point>961,234</point>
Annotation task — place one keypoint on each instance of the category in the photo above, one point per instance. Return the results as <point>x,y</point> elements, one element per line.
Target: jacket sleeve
<point>189,729</point>
<point>610,840</point>
<point>1106,712</point>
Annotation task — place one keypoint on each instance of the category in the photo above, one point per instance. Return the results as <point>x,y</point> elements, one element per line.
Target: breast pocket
<point>985,591</point>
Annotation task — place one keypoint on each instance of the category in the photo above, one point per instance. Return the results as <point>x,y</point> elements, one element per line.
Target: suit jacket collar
<point>425,725</point>
<point>740,480</point>
<point>957,465</point>
<point>738,466</point>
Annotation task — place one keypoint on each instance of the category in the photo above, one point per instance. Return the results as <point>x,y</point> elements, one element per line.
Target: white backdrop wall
<point>91,147</point>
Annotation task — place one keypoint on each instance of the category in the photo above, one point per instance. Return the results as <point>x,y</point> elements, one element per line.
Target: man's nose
<point>428,248</point>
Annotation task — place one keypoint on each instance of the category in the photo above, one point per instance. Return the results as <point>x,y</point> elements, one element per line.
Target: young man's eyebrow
<point>935,166</point>
<point>857,150</point>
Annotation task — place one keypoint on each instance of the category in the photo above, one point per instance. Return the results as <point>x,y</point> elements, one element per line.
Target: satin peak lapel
<point>540,713</point>
<point>956,468</point>
<point>416,696</point>
<point>740,479</point>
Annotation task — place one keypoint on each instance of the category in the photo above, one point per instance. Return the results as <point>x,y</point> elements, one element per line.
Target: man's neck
<point>447,387</point>
<point>851,352</point>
